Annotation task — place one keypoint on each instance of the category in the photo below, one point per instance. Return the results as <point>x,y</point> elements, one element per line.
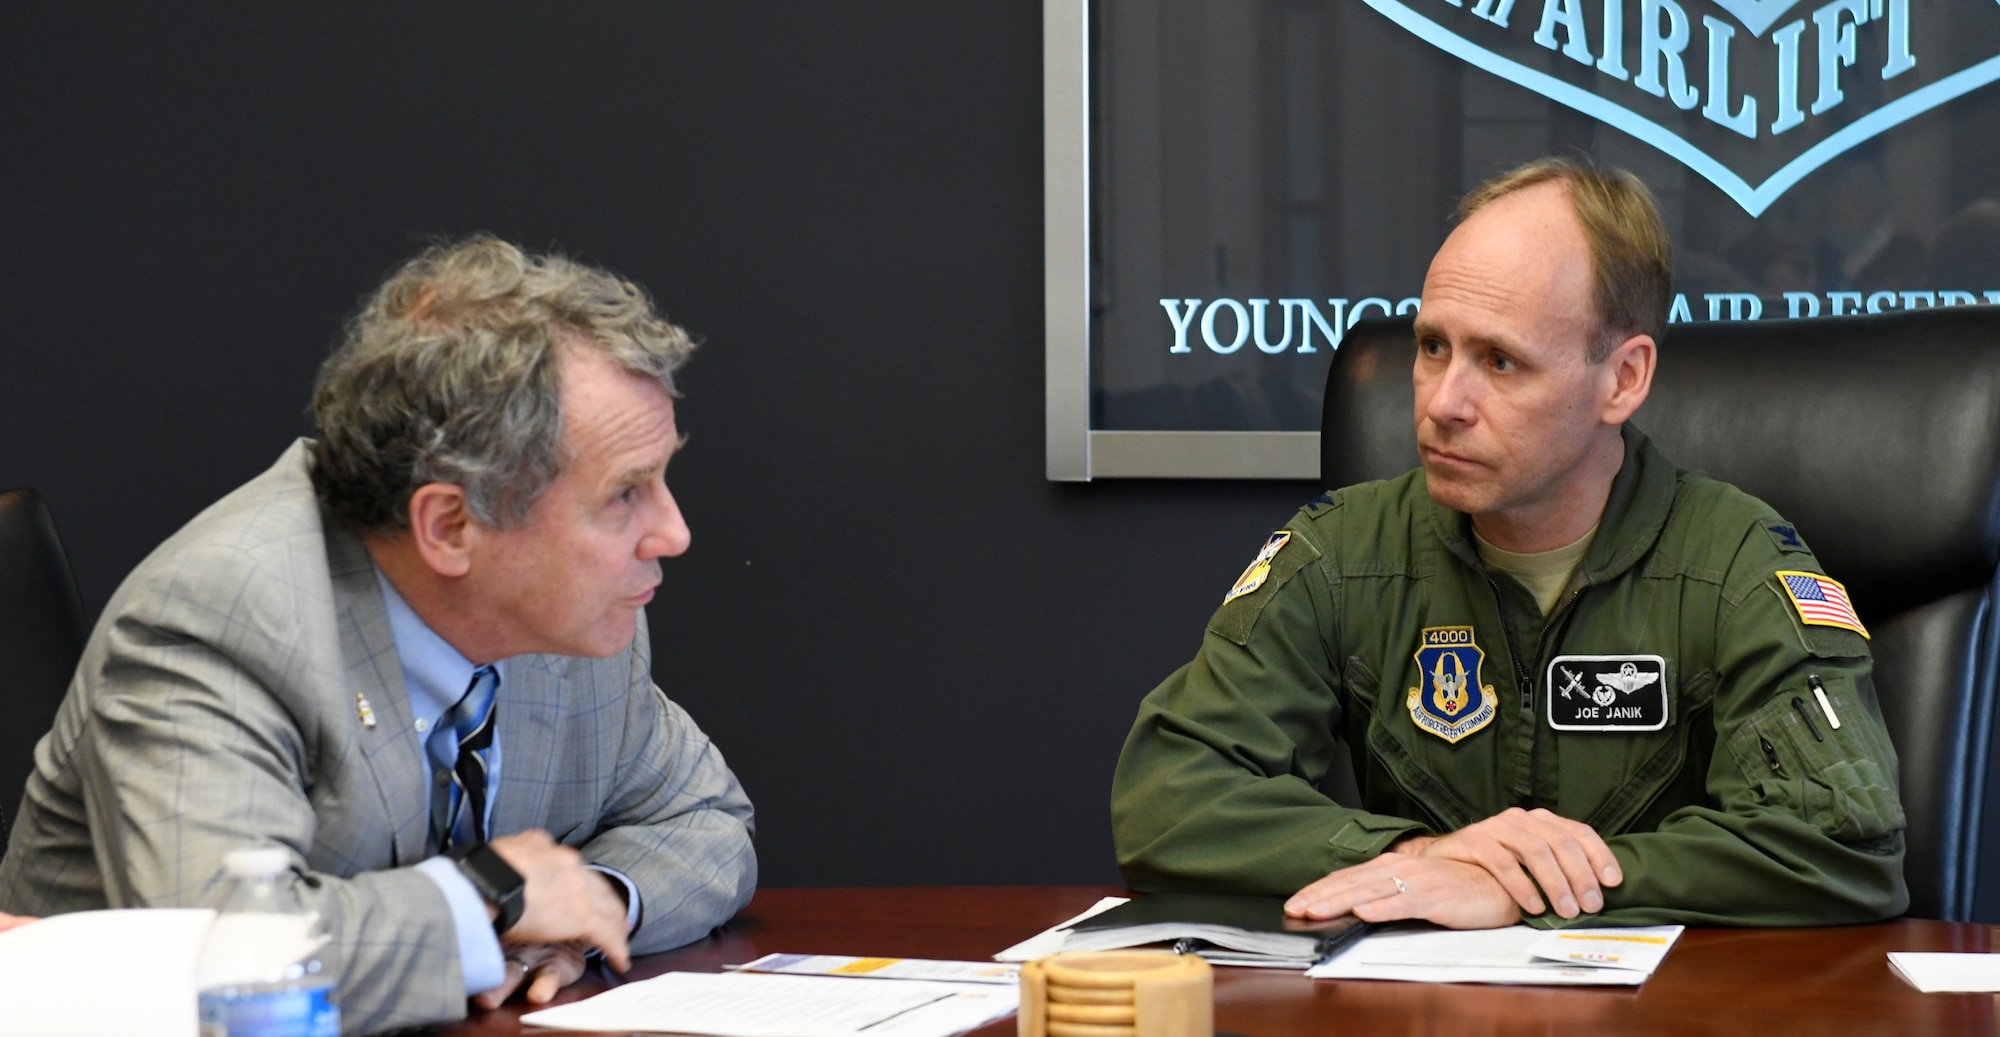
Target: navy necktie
<point>458,804</point>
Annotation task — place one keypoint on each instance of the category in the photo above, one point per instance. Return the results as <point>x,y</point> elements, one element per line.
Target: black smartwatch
<point>496,880</point>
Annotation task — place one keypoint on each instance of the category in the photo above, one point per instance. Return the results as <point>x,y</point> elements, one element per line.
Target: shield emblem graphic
<point>1449,700</point>
<point>1753,95</point>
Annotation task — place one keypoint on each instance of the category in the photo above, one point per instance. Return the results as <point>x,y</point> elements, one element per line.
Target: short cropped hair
<point>1631,260</point>
<point>449,373</point>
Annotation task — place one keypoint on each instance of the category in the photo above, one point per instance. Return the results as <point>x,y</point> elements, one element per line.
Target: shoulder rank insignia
<point>1260,567</point>
<point>1820,601</point>
<point>1449,701</point>
<point>1786,537</point>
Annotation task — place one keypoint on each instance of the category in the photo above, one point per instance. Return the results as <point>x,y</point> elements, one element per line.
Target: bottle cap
<point>257,861</point>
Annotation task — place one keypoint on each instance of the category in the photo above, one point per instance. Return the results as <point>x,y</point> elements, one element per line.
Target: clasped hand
<point>1479,877</point>
<point>567,908</point>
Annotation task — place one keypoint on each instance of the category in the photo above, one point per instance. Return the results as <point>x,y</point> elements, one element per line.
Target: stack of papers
<point>1425,954</point>
<point>747,1004</point>
<point>54,974</point>
<point>1947,973</point>
<point>1569,957</point>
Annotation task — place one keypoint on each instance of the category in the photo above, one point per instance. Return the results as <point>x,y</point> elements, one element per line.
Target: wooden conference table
<point>1765,983</point>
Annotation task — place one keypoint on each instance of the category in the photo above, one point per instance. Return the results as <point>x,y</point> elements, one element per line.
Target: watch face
<point>497,882</point>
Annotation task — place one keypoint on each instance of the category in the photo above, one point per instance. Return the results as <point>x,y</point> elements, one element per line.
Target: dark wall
<point>919,655</point>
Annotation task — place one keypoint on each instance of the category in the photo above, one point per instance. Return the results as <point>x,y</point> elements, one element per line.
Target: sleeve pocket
<point>1843,782</point>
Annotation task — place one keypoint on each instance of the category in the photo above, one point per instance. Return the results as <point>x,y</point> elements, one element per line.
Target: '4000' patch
<point>1607,693</point>
<point>1449,701</point>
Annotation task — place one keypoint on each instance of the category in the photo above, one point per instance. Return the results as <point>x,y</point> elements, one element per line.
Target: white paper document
<point>1050,941</point>
<point>1947,973</point>
<point>55,973</point>
<point>1570,957</point>
<point>747,1004</point>
<point>886,968</point>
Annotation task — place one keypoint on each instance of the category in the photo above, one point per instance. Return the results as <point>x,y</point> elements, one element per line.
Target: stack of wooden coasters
<point>1117,994</point>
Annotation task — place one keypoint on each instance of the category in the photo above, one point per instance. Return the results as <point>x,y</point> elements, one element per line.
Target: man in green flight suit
<point>1578,684</point>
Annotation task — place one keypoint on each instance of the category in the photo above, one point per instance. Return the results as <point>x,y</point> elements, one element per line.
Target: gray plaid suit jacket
<point>215,707</point>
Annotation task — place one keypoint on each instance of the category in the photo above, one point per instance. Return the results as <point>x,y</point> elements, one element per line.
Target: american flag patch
<point>1820,601</point>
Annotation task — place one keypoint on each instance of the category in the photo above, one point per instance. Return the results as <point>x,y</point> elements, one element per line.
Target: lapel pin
<point>363,710</point>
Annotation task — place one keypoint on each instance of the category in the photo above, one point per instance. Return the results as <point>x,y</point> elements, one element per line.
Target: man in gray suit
<point>414,654</point>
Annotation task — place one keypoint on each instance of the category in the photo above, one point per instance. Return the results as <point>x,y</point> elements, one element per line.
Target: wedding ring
<point>1400,888</point>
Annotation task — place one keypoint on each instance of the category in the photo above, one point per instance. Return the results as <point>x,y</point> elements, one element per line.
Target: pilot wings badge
<point>1449,701</point>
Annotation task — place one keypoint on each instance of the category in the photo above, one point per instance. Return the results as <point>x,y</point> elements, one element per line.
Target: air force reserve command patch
<point>1449,701</point>
<point>1259,569</point>
<point>1820,601</point>
<point>1607,693</point>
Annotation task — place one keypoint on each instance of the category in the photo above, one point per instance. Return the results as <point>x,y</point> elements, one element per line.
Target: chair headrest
<point>1879,437</point>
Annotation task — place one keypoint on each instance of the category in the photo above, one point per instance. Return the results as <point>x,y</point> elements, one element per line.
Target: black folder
<point>1224,928</point>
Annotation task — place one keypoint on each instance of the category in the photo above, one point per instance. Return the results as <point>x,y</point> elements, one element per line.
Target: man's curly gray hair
<point>449,374</point>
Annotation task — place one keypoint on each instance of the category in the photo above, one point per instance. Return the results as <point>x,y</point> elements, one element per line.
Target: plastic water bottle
<point>259,973</point>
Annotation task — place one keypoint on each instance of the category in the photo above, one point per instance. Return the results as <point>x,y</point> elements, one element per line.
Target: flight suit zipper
<point>1513,651</point>
<point>1555,619</point>
<point>1521,674</point>
<point>1541,639</point>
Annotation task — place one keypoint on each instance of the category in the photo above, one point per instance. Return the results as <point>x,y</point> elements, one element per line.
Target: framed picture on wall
<point>1232,184</point>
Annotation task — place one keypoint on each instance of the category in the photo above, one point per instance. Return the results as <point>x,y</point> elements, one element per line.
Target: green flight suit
<point>1745,808</point>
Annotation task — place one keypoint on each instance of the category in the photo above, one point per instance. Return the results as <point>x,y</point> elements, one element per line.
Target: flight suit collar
<point>1642,493</point>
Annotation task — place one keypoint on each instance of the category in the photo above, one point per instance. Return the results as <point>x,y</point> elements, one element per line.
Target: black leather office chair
<point>1879,437</point>
<point>41,636</point>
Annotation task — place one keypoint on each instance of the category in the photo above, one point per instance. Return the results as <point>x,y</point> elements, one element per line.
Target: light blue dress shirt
<point>436,676</point>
